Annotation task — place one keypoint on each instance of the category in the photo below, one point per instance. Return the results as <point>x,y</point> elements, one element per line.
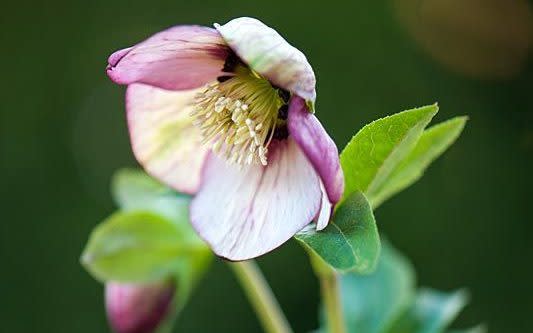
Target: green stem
<point>329,287</point>
<point>261,297</point>
<point>330,292</point>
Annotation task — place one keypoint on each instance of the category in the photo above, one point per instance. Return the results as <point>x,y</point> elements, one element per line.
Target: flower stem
<point>329,287</point>
<point>261,297</point>
<point>330,292</point>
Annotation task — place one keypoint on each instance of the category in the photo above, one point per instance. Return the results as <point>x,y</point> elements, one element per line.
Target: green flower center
<point>238,116</point>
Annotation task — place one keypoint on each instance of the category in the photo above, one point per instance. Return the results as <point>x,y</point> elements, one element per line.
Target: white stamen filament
<point>238,117</point>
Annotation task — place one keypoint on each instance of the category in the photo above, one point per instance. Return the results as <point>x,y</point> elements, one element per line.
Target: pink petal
<point>265,51</point>
<point>318,146</point>
<point>182,57</point>
<point>137,308</point>
<point>163,138</point>
<point>245,212</point>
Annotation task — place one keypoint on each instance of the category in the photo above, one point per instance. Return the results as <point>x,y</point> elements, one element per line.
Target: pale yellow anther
<point>242,129</point>
<point>216,146</point>
<point>237,117</point>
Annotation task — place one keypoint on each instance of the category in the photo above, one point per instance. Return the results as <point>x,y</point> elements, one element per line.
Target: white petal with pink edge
<point>318,146</point>
<point>163,137</point>
<point>245,212</point>
<point>181,57</point>
<point>269,54</point>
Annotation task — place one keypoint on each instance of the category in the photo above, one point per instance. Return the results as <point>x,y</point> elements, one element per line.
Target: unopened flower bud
<point>137,308</point>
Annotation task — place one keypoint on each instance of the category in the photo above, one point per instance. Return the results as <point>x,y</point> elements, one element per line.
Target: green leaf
<point>432,312</point>
<point>136,246</point>
<point>350,241</point>
<point>433,142</point>
<point>135,190</point>
<point>476,329</point>
<point>373,302</point>
<point>374,152</point>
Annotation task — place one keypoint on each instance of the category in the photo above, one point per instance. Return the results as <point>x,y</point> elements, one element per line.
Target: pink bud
<point>137,308</point>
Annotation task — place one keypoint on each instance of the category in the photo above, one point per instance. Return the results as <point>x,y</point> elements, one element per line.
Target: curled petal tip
<point>179,58</point>
<point>269,54</point>
<point>114,58</point>
<point>113,61</point>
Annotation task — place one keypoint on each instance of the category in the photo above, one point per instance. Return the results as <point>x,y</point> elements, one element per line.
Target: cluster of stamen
<point>239,116</point>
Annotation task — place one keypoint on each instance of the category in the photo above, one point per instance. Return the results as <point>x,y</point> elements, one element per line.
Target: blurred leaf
<point>350,241</point>
<point>477,329</point>
<point>137,246</point>
<point>433,142</point>
<point>130,187</point>
<point>386,301</point>
<point>374,152</point>
<point>149,255</point>
<point>134,190</point>
<point>373,302</point>
<point>431,312</point>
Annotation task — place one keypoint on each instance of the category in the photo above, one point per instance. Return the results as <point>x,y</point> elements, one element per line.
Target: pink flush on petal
<point>318,146</point>
<point>245,212</point>
<point>178,58</point>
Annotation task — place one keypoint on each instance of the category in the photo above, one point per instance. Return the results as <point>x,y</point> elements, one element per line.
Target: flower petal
<point>182,57</point>
<point>266,52</point>
<point>318,146</point>
<point>133,308</point>
<point>322,219</point>
<point>245,212</point>
<point>163,138</point>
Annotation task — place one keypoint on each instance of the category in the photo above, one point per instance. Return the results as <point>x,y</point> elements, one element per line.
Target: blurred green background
<point>466,223</point>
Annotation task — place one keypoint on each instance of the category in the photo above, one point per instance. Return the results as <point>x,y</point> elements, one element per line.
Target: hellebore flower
<point>137,308</point>
<point>226,114</point>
